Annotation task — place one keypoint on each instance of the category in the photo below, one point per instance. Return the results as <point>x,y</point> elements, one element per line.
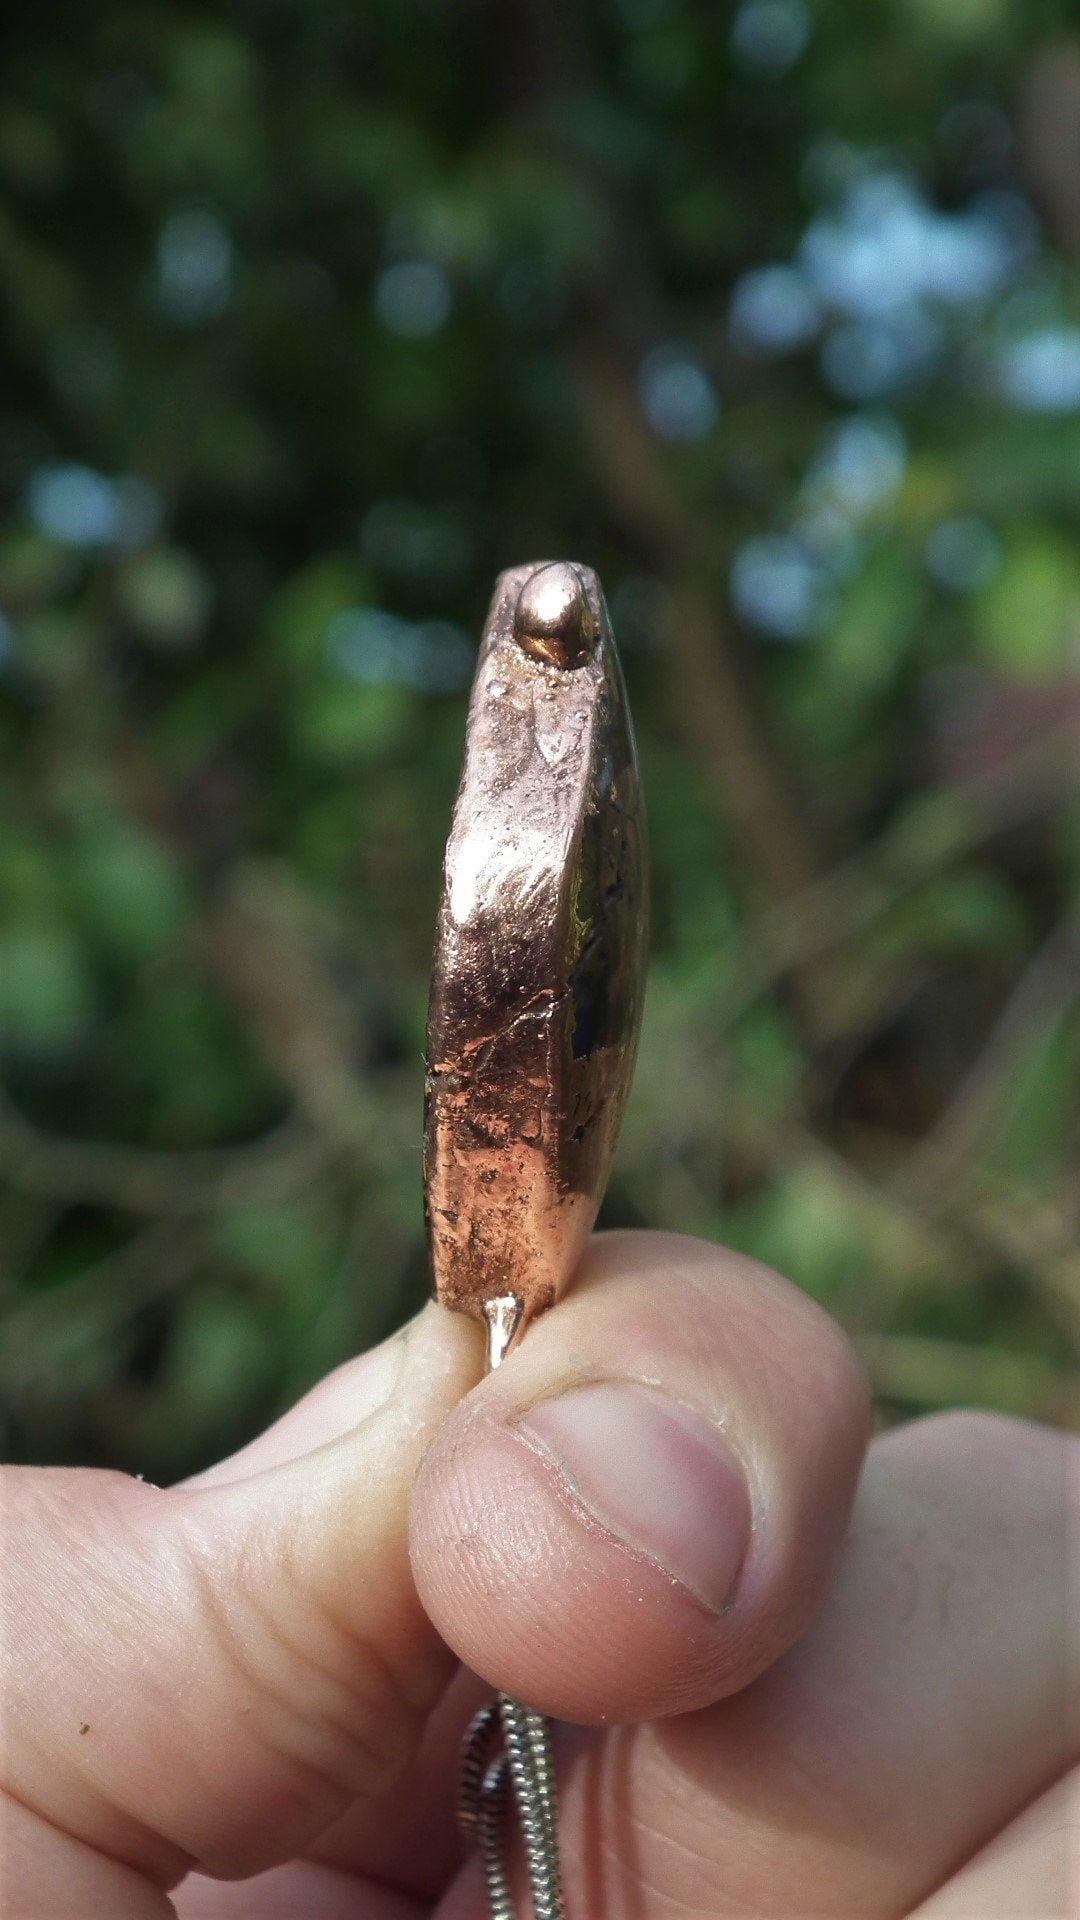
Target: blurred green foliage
<point>315,317</point>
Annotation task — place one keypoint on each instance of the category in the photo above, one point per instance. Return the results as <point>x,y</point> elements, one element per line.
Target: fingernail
<point>653,1474</point>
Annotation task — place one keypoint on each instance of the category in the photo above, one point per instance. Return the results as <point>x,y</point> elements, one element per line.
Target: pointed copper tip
<point>553,621</point>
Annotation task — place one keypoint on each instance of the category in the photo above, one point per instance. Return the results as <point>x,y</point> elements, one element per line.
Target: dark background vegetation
<point>315,317</point>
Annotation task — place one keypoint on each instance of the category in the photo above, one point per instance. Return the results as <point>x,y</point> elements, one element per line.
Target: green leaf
<point>962,22</point>
<point>1035,1131</point>
<point>292,1241</point>
<point>348,723</point>
<point>970,906</point>
<point>805,1228</point>
<point>768,1065</point>
<point>166,596</point>
<point>46,999</point>
<point>129,889</point>
<point>33,570</point>
<point>219,1366</point>
<point>1028,617</point>
<point>879,618</point>
<point>304,607</point>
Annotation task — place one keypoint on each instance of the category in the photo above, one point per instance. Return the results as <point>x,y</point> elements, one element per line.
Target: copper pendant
<point>540,954</point>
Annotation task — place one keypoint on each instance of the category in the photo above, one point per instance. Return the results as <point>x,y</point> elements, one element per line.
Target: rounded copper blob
<point>553,621</point>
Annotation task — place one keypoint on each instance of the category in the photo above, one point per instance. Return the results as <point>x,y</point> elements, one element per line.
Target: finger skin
<point>378,1836</point>
<point>933,1698</point>
<point>47,1875</point>
<point>209,1676</point>
<point>336,1406</point>
<point>545,1602</point>
<point>302,1891</point>
<point>1031,1869</point>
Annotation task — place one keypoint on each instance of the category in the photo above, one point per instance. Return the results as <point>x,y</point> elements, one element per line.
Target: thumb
<point>208,1675</point>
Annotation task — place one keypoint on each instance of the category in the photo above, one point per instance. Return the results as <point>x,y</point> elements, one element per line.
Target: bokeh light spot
<point>862,463</point>
<point>1041,371</point>
<point>866,359</point>
<point>413,298</point>
<point>677,394</point>
<point>769,36</point>
<point>195,266</point>
<point>382,649</point>
<point>774,310</point>
<point>963,553</point>
<point>80,507</point>
<point>778,587</point>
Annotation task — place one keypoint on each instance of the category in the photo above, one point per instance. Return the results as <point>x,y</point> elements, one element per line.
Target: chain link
<point>525,1764</point>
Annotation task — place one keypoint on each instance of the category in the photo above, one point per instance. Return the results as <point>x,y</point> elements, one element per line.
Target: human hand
<point>247,1676</point>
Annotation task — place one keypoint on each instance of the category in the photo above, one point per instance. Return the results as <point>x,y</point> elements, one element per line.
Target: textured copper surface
<point>540,951</point>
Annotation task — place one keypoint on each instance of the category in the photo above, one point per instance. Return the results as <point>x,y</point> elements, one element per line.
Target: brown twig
<point>855,893</point>
<point>1049,138</point>
<point>1043,992</point>
<point>716,710</point>
<point>262,947</point>
<point>99,1300</point>
<point>144,1180</point>
<point>1029,1233</point>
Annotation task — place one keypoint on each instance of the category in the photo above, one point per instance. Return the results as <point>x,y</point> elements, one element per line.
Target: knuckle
<point>304,1678</point>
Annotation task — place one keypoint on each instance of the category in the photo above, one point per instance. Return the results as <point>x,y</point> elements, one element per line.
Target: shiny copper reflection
<point>540,951</point>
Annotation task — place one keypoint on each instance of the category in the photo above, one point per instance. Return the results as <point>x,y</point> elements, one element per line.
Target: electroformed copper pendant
<point>535,1004</point>
<point>540,954</point>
